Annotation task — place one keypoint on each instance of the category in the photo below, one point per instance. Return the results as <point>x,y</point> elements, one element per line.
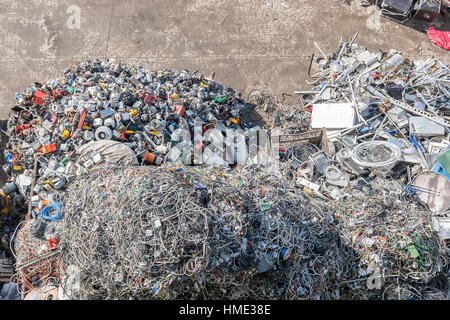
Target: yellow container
<point>65,134</point>
<point>133,112</point>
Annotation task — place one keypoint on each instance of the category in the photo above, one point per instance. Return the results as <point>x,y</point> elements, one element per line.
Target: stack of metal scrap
<point>386,115</point>
<point>107,101</point>
<point>386,120</point>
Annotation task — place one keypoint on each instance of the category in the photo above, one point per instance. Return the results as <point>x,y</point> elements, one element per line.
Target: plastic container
<point>48,148</point>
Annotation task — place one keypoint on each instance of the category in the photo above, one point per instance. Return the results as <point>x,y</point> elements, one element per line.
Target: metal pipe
<point>379,128</point>
<point>343,132</point>
<point>324,55</point>
<point>47,255</point>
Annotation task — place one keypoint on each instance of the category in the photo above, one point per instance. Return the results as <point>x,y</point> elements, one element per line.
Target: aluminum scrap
<point>105,100</point>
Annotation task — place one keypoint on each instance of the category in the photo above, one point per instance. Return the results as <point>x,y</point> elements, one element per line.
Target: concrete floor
<point>248,43</point>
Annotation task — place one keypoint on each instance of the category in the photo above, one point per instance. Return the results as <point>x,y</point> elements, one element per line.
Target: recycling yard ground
<point>248,43</point>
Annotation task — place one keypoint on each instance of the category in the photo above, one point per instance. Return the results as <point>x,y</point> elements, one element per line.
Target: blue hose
<point>44,212</point>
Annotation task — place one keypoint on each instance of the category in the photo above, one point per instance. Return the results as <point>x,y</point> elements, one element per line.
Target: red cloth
<point>439,38</point>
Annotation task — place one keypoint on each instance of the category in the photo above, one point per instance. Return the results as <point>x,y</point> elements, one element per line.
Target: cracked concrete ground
<point>248,43</point>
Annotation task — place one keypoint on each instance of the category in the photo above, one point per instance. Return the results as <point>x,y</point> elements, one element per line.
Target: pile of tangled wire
<point>391,233</point>
<point>288,117</point>
<point>384,245</point>
<point>37,264</point>
<point>182,233</point>
<point>200,233</point>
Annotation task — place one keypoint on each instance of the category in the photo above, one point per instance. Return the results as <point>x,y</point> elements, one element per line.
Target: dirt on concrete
<point>248,43</point>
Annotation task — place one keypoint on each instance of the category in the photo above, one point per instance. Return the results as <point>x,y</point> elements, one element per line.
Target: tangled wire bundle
<point>129,232</point>
<point>386,229</point>
<point>184,233</point>
<point>143,233</point>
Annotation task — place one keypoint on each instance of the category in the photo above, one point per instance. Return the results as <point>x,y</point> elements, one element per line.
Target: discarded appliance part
<point>421,126</point>
<point>396,10</point>
<point>376,154</point>
<point>442,225</point>
<point>434,190</point>
<point>103,133</point>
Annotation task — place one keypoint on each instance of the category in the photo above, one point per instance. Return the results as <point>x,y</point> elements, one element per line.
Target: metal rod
<point>47,255</point>
<point>379,128</point>
<point>348,130</point>
<point>323,53</point>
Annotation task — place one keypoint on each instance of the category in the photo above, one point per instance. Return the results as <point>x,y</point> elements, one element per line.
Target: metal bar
<point>33,184</point>
<point>343,132</point>
<point>406,107</point>
<point>29,263</point>
<point>379,128</point>
<point>323,53</point>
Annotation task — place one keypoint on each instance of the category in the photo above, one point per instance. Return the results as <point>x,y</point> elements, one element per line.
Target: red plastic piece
<point>13,160</point>
<point>39,97</point>
<point>57,94</point>
<point>54,118</point>
<point>149,98</point>
<point>80,124</point>
<point>439,38</point>
<point>22,127</point>
<point>53,243</point>
<point>376,75</point>
<point>199,145</point>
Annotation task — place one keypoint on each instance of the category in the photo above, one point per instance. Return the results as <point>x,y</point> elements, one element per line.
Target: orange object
<point>17,168</point>
<point>42,204</point>
<point>149,157</point>
<point>48,148</point>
